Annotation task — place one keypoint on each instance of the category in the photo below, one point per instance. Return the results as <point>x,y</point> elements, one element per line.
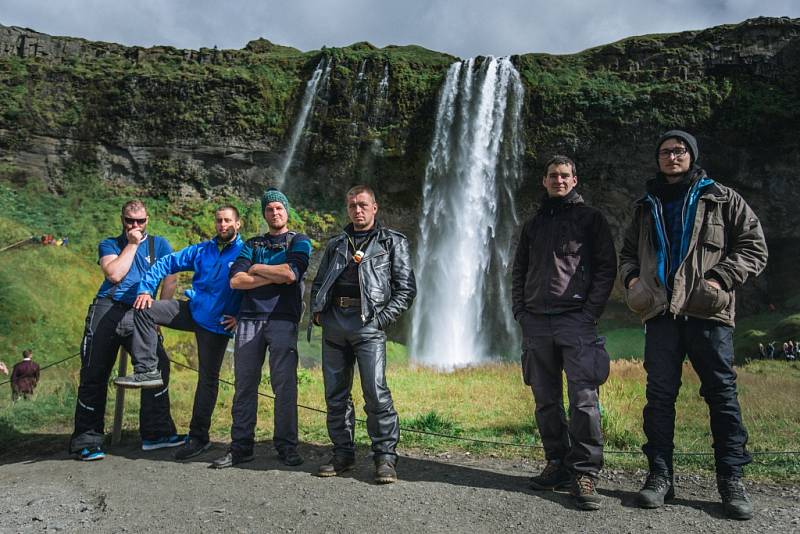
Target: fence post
<point>119,404</point>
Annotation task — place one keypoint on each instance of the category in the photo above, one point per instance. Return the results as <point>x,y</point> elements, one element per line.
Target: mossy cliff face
<point>209,122</point>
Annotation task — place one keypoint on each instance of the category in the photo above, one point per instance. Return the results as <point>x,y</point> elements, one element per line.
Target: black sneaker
<point>658,487</point>
<point>290,457</point>
<point>734,497</point>
<point>336,466</point>
<point>230,459</point>
<point>150,379</point>
<point>385,472</point>
<point>192,447</point>
<point>585,493</point>
<point>554,476</point>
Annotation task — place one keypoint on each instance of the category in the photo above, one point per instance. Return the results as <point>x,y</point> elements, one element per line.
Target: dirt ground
<point>135,491</point>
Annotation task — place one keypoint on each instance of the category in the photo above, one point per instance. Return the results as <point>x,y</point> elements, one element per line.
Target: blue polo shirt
<point>126,290</point>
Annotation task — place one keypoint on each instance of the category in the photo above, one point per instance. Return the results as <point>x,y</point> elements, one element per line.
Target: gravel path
<point>133,491</point>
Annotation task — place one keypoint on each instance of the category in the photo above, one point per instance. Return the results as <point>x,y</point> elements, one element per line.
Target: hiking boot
<point>90,454</point>
<point>584,491</point>
<point>290,458</point>
<point>658,487</point>
<point>385,472</point>
<point>230,459</point>
<point>150,379</point>
<point>734,497</point>
<point>336,466</point>
<point>175,440</point>
<point>554,476</point>
<point>192,447</point>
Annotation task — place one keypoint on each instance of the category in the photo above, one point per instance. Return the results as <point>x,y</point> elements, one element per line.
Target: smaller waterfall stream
<point>317,80</point>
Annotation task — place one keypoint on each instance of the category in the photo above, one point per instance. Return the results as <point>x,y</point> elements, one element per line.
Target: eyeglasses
<point>131,221</point>
<point>678,152</point>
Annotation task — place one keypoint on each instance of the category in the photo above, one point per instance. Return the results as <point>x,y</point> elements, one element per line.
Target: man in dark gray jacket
<point>690,244</point>
<point>563,273</point>
<point>365,281</point>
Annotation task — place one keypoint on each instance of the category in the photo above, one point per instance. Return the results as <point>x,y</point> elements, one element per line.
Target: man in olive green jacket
<point>692,242</point>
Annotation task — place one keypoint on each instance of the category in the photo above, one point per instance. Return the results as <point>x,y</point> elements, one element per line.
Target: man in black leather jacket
<point>365,281</point>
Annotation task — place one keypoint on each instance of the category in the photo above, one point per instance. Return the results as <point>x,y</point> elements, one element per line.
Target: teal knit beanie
<point>273,195</point>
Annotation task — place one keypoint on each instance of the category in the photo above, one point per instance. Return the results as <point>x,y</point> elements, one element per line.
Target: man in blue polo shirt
<point>270,272</point>
<point>209,313</point>
<point>124,260</point>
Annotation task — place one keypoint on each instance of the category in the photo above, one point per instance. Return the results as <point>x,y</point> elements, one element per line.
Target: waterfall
<point>462,314</point>
<point>318,78</point>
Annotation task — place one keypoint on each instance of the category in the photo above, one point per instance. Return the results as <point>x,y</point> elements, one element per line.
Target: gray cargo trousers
<point>568,342</point>
<point>345,342</point>
<point>253,337</point>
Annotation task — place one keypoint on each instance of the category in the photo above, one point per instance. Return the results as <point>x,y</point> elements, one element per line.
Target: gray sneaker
<point>146,380</point>
<point>734,497</point>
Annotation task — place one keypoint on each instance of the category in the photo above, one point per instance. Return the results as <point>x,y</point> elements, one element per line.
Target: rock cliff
<point>209,122</point>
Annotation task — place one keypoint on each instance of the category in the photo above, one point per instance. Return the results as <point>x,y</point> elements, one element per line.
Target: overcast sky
<point>463,28</point>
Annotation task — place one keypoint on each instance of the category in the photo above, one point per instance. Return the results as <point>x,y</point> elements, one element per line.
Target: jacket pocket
<point>706,300</point>
<point>639,298</point>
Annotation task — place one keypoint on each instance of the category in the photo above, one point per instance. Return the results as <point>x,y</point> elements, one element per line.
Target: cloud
<point>464,28</point>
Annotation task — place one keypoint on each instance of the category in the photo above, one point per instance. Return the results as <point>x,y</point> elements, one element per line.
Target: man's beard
<point>227,237</point>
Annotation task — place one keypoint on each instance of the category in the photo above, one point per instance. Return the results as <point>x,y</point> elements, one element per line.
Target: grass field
<point>45,292</point>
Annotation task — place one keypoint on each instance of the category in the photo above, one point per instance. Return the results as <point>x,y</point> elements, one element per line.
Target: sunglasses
<point>131,221</point>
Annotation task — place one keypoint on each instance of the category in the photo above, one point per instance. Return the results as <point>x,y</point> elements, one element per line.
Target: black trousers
<point>345,342</point>
<point>252,340</point>
<point>211,347</point>
<point>109,325</point>
<point>566,342</point>
<point>709,346</point>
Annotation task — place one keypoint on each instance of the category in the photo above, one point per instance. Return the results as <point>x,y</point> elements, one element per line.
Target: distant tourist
<point>109,323</point>
<point>691,243</point>
<point>269,271</point>
<point>762,352</point>
<point>363,285</point>
<point>209,313</point>
<point>24,376</point>
<point>791,351</point>
<point>564,269</point>
<point>3,368</point>
<point>771,350</point>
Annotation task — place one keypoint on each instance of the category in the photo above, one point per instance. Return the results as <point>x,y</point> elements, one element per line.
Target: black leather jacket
<point>385,276</point>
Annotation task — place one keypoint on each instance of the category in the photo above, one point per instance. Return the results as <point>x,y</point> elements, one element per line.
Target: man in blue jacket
<point>269,271</point>
<point>209,313</point>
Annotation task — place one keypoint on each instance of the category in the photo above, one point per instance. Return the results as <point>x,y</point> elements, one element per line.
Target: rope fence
<point>424,432</point>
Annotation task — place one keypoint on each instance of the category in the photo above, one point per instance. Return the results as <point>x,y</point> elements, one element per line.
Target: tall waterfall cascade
<point>462,313</point>
<point>317,80</point>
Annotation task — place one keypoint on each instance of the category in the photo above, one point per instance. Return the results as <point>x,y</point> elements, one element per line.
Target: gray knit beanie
<point>688,139</point>
<point>273,195</point>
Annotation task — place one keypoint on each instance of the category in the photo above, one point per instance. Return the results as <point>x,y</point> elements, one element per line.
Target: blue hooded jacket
<point>211,295</point>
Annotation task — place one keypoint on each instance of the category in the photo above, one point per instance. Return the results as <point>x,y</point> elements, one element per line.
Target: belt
<point>347,302</point>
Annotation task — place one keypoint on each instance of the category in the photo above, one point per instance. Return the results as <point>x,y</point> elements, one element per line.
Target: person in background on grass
<point>24,376</point>
<point>269,271</point>
<point>109,324</point>
<point>210,313</point>
<point>690,244</point>
<point>364,283</point>
<point>563,272</point>
<point>3,368</point>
